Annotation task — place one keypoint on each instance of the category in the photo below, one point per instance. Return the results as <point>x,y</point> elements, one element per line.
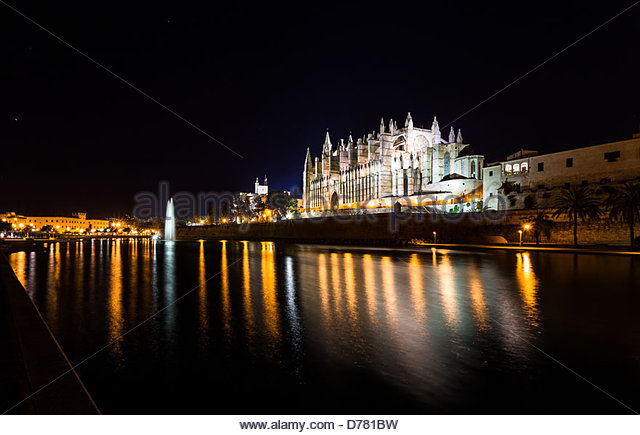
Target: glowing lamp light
<point>526,226</point>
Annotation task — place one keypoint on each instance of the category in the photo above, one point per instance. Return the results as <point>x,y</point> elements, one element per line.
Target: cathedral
<point>408,165</point>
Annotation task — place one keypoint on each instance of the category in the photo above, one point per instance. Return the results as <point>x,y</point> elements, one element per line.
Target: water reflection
<point>528,284</point>
<point>337,286</point>
<point>286,321</point>
<point>388,290</point>
<point>246,290</point>
<point>478,301</point>
<point>416,286</point>
<point>226,298</point>
<point>54,282</point>
<point>292,309</point>
<point>350,287</point>
<point>116,318</point>
<point>447,290</point>
<point>369,285</point>
<point>18,262</point>
<point>271,309</point>
<point>323,285</point>
<point>203,317</point>
<point>169,290</point>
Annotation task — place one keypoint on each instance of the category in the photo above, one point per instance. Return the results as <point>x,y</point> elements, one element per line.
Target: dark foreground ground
<point>31,358</point>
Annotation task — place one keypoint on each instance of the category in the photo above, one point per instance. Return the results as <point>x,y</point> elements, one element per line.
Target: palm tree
<point>541,225</point>
<point>624,205</point>
<point>578,202</point>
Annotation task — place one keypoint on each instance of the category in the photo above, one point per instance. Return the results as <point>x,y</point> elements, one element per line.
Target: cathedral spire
<point>452,136</point>
<point>435,128</point>
<point>409,121</point>
<point>459,138</point>
<point>391,127</point>
<point>350,142</point>
<point>382,125</point>
<point>307,160</point>
<point>326,148</point>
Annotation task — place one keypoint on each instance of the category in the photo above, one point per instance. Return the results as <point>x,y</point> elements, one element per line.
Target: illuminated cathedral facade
<point>391,165</point>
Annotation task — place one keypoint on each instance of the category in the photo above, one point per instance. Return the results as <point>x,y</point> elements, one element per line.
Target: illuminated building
<point>392,165</point>
<point>74,223</point>
<point>529,179</point>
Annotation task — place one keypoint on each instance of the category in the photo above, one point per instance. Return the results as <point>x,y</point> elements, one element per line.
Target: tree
<point>277,202</point>
<point>541,225</point>
<point>578,202</point>
<point>281,203</point>
<point>624,205</point>
<point>292,205</point>
<point>259,205</point>
<point>242,206</point>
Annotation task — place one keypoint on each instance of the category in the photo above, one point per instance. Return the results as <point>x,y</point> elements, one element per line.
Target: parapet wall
<point>392,229</point>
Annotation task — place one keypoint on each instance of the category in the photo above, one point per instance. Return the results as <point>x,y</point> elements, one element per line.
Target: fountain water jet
<point>170,222</point>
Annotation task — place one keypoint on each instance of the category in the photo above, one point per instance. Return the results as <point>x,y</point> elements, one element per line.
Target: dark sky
<point>268,78</point>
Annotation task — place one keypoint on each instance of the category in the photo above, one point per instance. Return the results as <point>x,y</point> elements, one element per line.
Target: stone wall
<point>378,229</point>
<point>391,229</point>
<point>601,232</point>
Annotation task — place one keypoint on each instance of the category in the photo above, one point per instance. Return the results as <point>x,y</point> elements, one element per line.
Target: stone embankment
<point>390,229</point>
<point>35,374</point>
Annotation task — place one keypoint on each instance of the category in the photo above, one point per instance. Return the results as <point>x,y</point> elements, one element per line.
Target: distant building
<point>392,165</point>
<point>261,189</point>
<point>260,193</point>
<point>73,223</point>
<point>528,179</point>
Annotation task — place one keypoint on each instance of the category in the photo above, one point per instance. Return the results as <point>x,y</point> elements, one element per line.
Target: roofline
<point>568,150</point>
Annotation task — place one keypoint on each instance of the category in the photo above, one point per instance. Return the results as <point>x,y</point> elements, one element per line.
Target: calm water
<point>267,328</point>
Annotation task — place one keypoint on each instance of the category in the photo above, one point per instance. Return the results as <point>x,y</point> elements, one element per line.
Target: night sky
<point>267,79</point>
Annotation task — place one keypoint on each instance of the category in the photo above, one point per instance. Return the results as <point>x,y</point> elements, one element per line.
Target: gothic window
<point>447,163</point>
<point>473,169</point>
<point>524,167</point>
<point>406,185</point>
<point>516,168</point>
<point>508,168</point>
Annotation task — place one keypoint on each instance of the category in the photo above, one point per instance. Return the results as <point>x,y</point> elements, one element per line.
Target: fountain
<point>170,222</point>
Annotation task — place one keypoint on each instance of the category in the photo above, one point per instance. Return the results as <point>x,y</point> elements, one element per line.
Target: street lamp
<point>434,237</point>
<point>525,227</point>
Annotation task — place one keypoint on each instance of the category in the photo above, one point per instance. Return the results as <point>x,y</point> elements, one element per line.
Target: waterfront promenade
<point>603,250</point>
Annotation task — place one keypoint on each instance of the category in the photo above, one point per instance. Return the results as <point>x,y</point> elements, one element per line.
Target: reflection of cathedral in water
<point>393,163</point>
